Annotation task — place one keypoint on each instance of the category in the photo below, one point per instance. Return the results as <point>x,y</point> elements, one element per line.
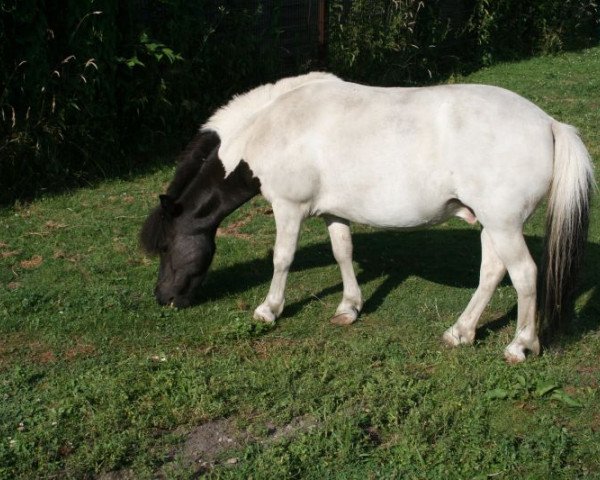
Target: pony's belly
<point>398,213</point>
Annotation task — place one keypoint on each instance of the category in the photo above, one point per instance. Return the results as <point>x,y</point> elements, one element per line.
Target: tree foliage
<point>93,88</point>
<point>404,42</point>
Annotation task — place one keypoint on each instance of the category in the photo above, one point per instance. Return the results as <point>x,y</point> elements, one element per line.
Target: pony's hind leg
<point>491,273</point>
<point>288,219</point>
<point>341,244</point>
<point>512,250</point>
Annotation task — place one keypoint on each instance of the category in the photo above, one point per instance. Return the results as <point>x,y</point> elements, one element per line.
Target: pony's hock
<point>315,145</point>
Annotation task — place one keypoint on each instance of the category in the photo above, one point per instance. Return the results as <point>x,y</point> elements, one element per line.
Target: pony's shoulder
<point>231,121</point>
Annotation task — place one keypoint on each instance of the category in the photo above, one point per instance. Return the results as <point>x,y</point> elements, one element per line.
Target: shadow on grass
<point>445,257</point>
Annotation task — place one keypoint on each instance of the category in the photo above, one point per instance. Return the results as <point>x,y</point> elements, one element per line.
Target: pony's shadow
<point>447,257</point>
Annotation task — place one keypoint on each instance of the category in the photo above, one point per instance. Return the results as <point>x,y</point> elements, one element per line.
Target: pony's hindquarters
<point>567,222</point>
<point>567,225</point>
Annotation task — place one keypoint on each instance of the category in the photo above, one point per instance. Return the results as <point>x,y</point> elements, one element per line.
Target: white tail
<point>566,227</point>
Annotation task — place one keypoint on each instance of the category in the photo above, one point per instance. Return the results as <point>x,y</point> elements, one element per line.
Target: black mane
<point>191,160</point>
<point>154,232</point>
<point>153,236</point>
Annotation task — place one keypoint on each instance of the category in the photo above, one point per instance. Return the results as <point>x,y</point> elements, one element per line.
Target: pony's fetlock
<point>516,351</point>
<point>458,335</point>
<point>264,314</point>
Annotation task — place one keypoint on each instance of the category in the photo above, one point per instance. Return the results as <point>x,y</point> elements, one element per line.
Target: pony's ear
<point>170,206</point>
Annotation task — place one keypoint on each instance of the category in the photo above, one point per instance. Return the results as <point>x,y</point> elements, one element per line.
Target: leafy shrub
<point>391,42</point>
<point>509,29</point>
<point>94,88</point>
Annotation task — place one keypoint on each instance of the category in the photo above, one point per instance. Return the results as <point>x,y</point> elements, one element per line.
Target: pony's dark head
<point>185,254</point>
<point>182,229</point>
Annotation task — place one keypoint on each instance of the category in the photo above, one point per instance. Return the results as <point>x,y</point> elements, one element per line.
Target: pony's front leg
<point>288,219</point>
<point>341,244</point>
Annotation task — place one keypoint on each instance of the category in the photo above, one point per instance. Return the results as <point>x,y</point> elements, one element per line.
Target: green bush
<point>54,80</point>
<point>414,41</point>
<point>94,88</point>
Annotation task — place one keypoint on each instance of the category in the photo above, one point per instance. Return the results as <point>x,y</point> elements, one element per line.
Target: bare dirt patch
<point>265,348</point>
<point>33,262</point>
<point>52,225</point>
<point>39,352</point>
<point>80,350</point>
<point>206,442</point>
<point>233,229</point>
<point>206,446</point>
<point>16,345</point>
<point>46,357</point>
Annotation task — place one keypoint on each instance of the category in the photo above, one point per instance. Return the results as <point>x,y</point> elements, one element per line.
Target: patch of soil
<point>51,225</point>
<point>32,263</point>
<point>46,357</point>
<point>233,229</point>
<point>264,348</point>
<point>14,346</point>
<point>206,444</point>
<point>79,350</point>
<point>39,352</point>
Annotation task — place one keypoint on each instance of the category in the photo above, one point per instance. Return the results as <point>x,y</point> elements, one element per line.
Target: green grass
<point>96,378</point>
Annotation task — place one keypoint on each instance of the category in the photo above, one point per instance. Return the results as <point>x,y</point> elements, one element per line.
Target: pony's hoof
<point>343,318</point>
<point>516,351</point>
<point>453,338</point>
<point>513,358</point>
<point>514,354</point>
<point>264,314</point>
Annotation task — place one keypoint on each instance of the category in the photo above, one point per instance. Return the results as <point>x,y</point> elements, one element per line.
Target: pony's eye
<point>163,248</point>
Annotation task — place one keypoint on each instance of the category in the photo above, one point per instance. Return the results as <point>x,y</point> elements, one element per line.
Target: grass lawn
<point>97,381</point>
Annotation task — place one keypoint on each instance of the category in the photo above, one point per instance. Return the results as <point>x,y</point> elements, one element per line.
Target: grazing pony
<point>391,158</point>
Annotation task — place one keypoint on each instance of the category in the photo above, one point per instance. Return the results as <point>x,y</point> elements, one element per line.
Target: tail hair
<point>566,228</point>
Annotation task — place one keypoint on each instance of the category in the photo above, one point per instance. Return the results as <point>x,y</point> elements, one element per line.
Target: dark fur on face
<point>182,229</point>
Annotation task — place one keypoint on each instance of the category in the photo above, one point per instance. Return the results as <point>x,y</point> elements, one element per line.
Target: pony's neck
<point>212,195</point>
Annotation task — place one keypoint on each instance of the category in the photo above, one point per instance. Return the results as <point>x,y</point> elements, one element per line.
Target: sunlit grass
<point>95,377</point>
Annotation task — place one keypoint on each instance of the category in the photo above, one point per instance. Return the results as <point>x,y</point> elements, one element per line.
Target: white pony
<point>400,158</point>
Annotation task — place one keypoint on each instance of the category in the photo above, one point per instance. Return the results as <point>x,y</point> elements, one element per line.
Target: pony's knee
<point>282,259</point>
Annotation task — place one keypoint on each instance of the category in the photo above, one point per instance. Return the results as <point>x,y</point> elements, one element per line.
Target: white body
<point>400,158</point>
